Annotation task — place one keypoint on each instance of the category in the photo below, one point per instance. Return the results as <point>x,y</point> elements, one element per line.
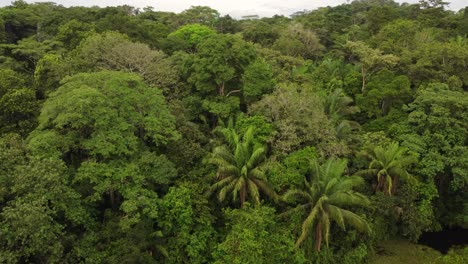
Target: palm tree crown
<point>324,197</point>
<point>388,164</point>
<point>240,168</point>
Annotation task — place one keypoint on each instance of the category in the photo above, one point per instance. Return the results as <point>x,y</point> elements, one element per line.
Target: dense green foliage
<point>140,136</point>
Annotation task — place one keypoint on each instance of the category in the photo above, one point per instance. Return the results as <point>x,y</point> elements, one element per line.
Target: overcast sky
<point>235,8</point>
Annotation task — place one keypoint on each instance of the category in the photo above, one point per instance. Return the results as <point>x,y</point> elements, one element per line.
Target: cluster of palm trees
<point>325,196</point>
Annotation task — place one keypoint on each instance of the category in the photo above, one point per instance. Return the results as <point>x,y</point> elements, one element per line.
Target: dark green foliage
<point>260,32</point>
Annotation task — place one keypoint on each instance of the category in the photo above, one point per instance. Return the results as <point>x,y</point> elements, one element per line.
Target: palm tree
<point>324,198</point>
<point>338,105</point>
<point>240,168</point>
<point>388,165</point>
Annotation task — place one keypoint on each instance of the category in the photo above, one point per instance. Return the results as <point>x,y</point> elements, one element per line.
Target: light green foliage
<point>257,80</point>
<point>125,185</point>
<point>298,116</point>
<point>187,221</point>
<point>371,60</point>
<point>255,237</point>
<point>187,37</point>
<point>108,127</point>
<point>322,199</point>
<point>298,41</point>
<point>73,32</point>
<point>104,126</point>
<point>113,51</point>
<point>241,168</point>
<point>454,256</point>
<point>104,114</point>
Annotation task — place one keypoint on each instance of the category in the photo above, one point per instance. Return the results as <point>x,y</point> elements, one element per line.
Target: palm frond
<point>240,183</point>
<point>347,183</point>
<point>295,193</point>
<point>222,182</point>
<point>268,190</point>
<point>257,173</point>
<point>336,215</point>
<point>299,208</point>
<point>349,198</point>
<point>307,225</point>
<point>356,221</point>
<point>258,156</point>
<point>227,189</point>
<point>253,191</point>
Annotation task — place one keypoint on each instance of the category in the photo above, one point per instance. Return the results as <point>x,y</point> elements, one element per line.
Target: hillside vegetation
<point>138,136</point>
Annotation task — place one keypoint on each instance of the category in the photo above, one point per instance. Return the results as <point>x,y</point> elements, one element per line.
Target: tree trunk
<point>379,186</point>
<point>363,73</point>
<point>242,195</point>
<point>112,199</point>
<point>394,186</point>
<point>231,92</point>
<point>318,236</point>
<point>221,89</point>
